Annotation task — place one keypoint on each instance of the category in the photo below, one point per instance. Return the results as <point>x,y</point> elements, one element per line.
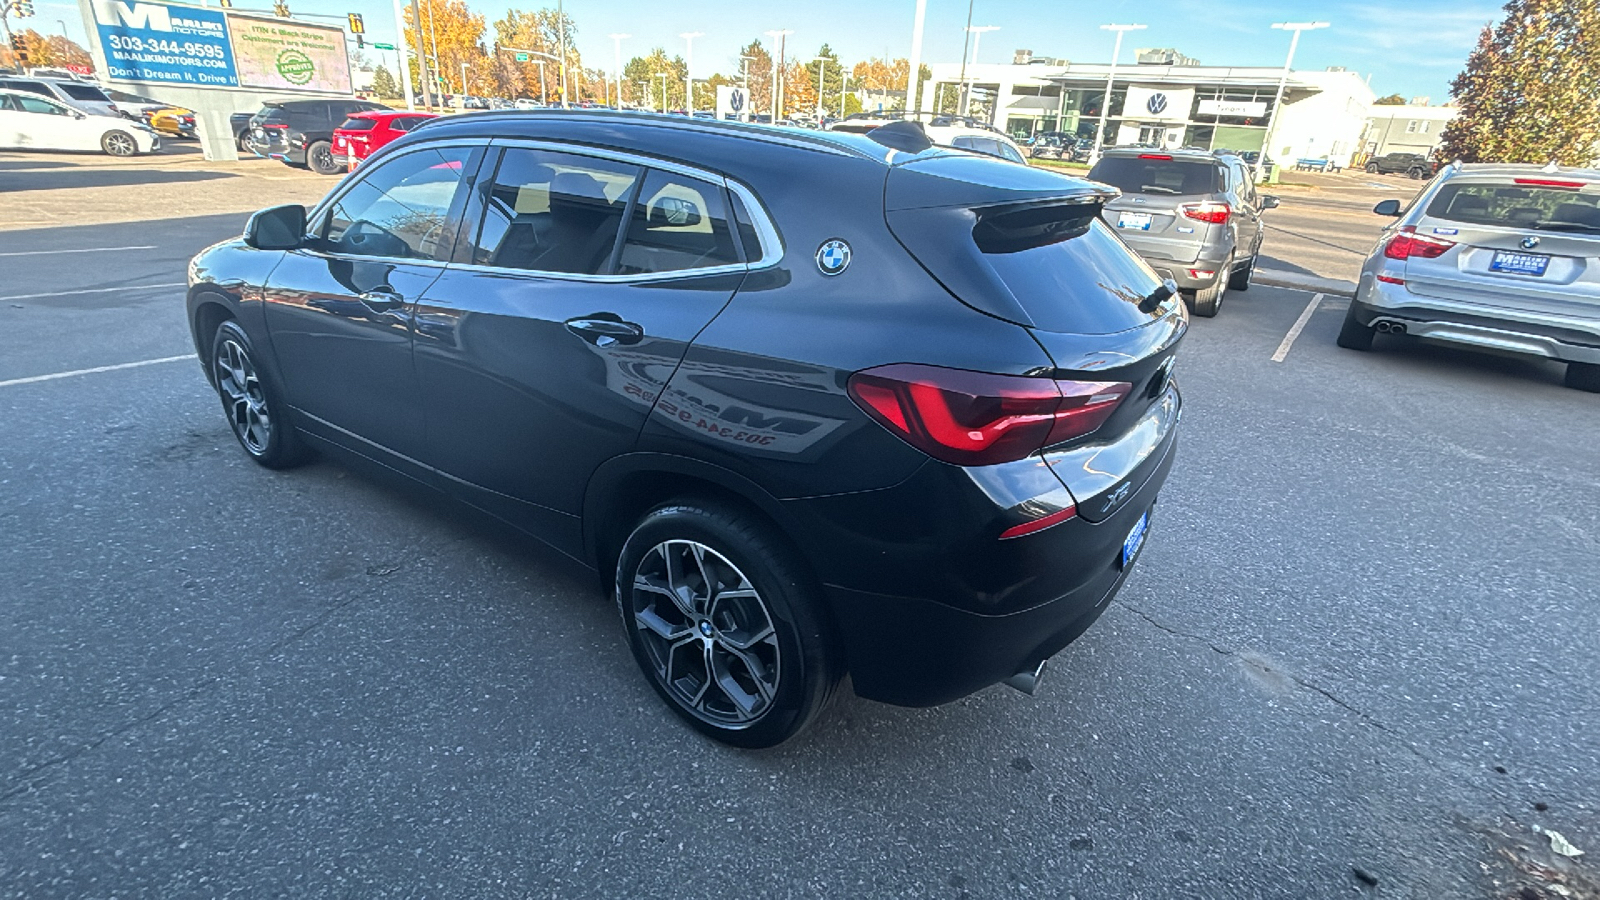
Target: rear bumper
<point>1476,325</point>
<point>931,605</point>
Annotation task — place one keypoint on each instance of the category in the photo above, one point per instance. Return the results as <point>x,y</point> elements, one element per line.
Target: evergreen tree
<point>1530,92</point>
<point>383,84</point>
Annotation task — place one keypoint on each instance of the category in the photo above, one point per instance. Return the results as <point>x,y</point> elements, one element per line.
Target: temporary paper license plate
<point>1135,539</point>
<point>1140,221</point>
<point>1513,263</point>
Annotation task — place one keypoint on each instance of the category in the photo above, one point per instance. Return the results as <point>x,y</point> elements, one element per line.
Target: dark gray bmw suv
<point>809,405</point>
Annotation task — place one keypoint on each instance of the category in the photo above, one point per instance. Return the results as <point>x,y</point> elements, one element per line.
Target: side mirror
<point>675,212</point>
<point>1269,202</point>
<point>1389,208</point>
<point>79,115</point>
<point>276,228</point>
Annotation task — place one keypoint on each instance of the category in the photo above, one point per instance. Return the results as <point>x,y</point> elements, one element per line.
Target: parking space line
<point>126,287</point>
<point>85,250</point>
<point>1295,329</point>
<point>32,379</point>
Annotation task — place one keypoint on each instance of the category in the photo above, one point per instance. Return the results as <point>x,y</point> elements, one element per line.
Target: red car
<point>364,132</point>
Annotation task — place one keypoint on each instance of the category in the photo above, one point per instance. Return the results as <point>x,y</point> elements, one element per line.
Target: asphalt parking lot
<point>1357,657</point>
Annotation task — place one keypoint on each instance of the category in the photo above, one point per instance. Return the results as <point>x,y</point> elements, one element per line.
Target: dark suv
<point>1193,215</point>
<point>1412,165</point>
<point>809,408</point>
<point>300,132</point>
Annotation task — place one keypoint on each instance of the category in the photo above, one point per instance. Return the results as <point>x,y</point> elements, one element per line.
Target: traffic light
<point>280,9</point>
<point>19,46</point>
<point>226,4</point>
<point>356,25</point>
<point>24,9</point>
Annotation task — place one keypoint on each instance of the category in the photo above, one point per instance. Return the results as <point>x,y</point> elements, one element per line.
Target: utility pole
<point>1105,102</point>
<point>688,69</point>
<point>777,73</point>
<point>561,24</point>
<point>916,56</point>
<point>405,67</point>
<point>616,68</point>
<point>423,69</point>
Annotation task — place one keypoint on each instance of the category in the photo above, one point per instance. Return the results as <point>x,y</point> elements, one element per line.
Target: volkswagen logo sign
<point>833,256</point>
<point>1157,104</point>
<point>736,99</point>
<point>1530,242</point>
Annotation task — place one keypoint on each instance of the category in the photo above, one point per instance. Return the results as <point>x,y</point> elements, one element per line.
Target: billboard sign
<point>180,45</point>
<point>192,46</point>
<point>289,56</point>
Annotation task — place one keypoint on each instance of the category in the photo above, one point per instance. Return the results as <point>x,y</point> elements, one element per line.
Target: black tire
<point>1352,334</point>
<point>119,143</point>
<point>1207,301</point>
<point>782,680</point>
<point>319,158</point>
<point>253,404</point>
<point>1414,174</point>
<point>1372,168</point>
<point>1240,279</point>
<point>244,144</point>
<point>1583,377</point>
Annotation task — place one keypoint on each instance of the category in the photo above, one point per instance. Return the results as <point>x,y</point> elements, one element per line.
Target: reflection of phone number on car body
<point>172,48</point>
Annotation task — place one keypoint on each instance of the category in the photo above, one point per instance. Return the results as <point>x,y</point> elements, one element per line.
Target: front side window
<point>400,209</point>
<point>554,212</point>
<point>35,105</point>
<point>679,223</point>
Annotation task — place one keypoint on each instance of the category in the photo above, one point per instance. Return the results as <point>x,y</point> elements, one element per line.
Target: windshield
<point>1158,174</point>
<point>1519,206</point>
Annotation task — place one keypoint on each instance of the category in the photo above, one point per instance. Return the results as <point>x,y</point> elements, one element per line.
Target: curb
<point>1304,282</point>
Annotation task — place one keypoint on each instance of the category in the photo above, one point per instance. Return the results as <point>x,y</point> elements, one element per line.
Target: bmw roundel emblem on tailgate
<point>1530,242</point>
<point>833,256</point>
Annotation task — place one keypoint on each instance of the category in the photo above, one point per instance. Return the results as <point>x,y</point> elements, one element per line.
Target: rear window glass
<point>1518,206</point>
<point>1149,175</point>
<point>84,92</point>
<point>359,124</point>
<point>1070,273</point>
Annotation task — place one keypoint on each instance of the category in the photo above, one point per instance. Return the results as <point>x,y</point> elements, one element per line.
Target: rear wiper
<point>1156,189</point>
<point>1567,226</point>
<point>1155,298</point>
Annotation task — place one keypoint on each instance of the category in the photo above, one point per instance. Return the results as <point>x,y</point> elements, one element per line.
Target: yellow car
<point>163,117</point>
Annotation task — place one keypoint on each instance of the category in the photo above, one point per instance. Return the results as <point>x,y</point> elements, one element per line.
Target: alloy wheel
<point>322,160</point>
<point>707,632</point>
<point>119,144</point>
<point>243,397</point>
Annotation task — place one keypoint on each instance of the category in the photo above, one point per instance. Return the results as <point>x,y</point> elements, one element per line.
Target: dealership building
<point>1167,100</point>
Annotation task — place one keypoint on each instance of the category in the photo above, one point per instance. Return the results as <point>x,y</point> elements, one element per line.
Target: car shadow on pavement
<point>15,182</point>
<point>1266,261</point>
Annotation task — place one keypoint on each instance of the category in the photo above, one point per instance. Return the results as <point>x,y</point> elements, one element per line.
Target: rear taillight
<point>1407,243</point>
<point>1210,211</point>
<point>279,127</point>
<point>979,419</point>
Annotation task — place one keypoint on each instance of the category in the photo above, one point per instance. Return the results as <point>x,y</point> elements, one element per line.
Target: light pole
<point>916,56</point>
<point>844,82</point>
<point>822,62</point>
<point>663,76</point>
<point>777,70</point>
<point>688,69</point>
<point>1105,102</point>
<point>977,32</point>
<point>1283,78</point>
<point>400,52</point>
<point>464,68</point>
<point>616,68</point>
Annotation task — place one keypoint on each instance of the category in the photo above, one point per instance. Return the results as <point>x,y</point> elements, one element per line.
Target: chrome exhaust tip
<point>1028,681</point>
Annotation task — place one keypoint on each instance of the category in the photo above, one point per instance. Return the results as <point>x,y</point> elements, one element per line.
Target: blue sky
<point>1412,47</point>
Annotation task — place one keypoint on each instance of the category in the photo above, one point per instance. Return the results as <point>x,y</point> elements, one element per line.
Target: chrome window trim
<point>724,269</point>
<point>771,243</point>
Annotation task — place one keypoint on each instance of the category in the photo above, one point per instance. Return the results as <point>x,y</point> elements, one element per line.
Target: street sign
<point>383,46</point>
<point>522,57</point>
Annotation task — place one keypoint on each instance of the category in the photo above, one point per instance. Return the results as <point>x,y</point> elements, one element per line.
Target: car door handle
<point>382,300</point>
<point>603,332</point>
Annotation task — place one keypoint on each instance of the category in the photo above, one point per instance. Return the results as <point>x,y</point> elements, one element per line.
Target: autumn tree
<point>384,84</point>
<point>1391,100</point>
<point>642,74</point>
<point>799,89</point>
<point>451,34</point>
<point>1528,93</point>
<point>52,50</point>
<point>538,31</point>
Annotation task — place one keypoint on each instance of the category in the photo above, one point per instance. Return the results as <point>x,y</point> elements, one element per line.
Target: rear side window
<point>1156,175</point>
<point>748,237</point>
<point>678,223</point>
<point>1518,206</point>
<point>31,86</point>
<point>359,124</point>
<point>554,212</point>
<point>83,92</point>
<point>1069,272</point>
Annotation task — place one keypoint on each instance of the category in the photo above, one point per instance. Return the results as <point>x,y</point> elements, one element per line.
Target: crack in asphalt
<point>1307,237</point>
<point>30,776</point>
<point>1302,682</point>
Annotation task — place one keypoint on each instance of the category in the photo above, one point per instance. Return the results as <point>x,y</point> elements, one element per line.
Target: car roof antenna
<point>905,136</point>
